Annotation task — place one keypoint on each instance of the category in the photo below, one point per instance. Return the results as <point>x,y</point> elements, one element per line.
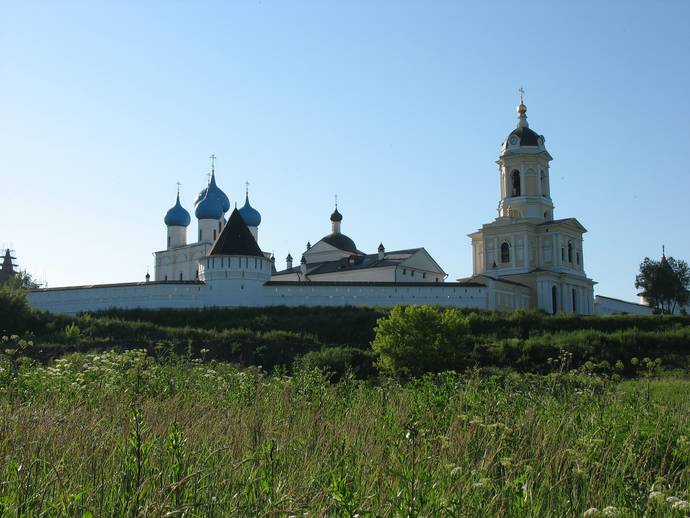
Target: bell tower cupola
<point>524,173</point>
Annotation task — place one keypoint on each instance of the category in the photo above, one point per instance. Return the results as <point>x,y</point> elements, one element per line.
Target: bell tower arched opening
<point>515,183</point>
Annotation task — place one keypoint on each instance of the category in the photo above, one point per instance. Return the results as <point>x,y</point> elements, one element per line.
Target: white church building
<point>523,259</point>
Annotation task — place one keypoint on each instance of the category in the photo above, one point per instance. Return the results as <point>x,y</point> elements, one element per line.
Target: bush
<point>331,325</point>
<point>15,314</point>
<point>413,340</point>
<point>339,360</point>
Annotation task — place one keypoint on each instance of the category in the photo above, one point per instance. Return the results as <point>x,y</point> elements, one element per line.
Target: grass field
<point>122,434</point>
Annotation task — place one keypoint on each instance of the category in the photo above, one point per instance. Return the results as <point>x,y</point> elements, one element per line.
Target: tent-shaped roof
<point>236,239</point>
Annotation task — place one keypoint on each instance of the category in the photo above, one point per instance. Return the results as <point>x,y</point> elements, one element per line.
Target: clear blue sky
<point>399,107</point>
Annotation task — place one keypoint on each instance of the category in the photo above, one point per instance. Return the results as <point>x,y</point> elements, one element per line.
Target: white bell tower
<point>525,244</point>
<point>524,174</point>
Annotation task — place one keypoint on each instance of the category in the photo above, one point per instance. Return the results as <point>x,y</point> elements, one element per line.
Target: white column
<point>525,242</point>
<point>513,251</point>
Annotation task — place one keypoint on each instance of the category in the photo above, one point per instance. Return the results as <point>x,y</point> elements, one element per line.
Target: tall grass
<point>114,434</point>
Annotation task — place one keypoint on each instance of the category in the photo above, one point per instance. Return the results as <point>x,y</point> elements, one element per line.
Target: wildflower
<point>589,513</point>
<point>656,495</point>
<point>681,505</point>
<point>672,500</point>
<point>610,511</point>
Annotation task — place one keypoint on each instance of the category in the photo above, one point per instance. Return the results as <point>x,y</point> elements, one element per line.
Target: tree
<point>23,281</point>
<point>665,284</point>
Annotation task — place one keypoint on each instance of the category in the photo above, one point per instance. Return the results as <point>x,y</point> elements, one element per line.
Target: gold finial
<point>522,109</point>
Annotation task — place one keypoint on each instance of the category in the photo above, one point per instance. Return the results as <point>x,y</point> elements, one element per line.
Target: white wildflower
<point>610,511</point>
<point>589,513</point>
<point>681,505</point>
<point>672,500</point>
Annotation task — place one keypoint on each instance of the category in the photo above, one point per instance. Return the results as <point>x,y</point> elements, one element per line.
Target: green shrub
<point>15,314</point>
<point>339,360</point>
<point>413,340</point>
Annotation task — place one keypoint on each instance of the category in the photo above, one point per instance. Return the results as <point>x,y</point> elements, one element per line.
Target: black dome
<point>336,216</point>
<point>341,242</point>
<point>527,136</point>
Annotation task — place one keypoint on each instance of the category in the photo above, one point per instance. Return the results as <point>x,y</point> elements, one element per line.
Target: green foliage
<point>125,434</point>
<point>417,339</point>
<point>665,283</point>
<point>14,310</point>
<point>22,281</point>
<point>413,340</point>
<point>332,325</point>
<point>340,360</point>
<point>406,341</point>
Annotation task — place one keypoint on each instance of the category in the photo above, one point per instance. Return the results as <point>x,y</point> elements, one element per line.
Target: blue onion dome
<point>336,216</point>
<point>215,192</point>
<point>209,207</point>
<point>177,216</point>
<point>249,214</point>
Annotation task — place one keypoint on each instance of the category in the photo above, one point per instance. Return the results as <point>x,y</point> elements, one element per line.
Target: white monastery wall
<point>609,306</point>
<point>151,295</point>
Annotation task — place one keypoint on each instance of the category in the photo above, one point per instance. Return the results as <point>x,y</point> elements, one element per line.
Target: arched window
<point>554,299</point>
<point>505,253</point>
<point>515,182</point>
<point>570,252</point>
